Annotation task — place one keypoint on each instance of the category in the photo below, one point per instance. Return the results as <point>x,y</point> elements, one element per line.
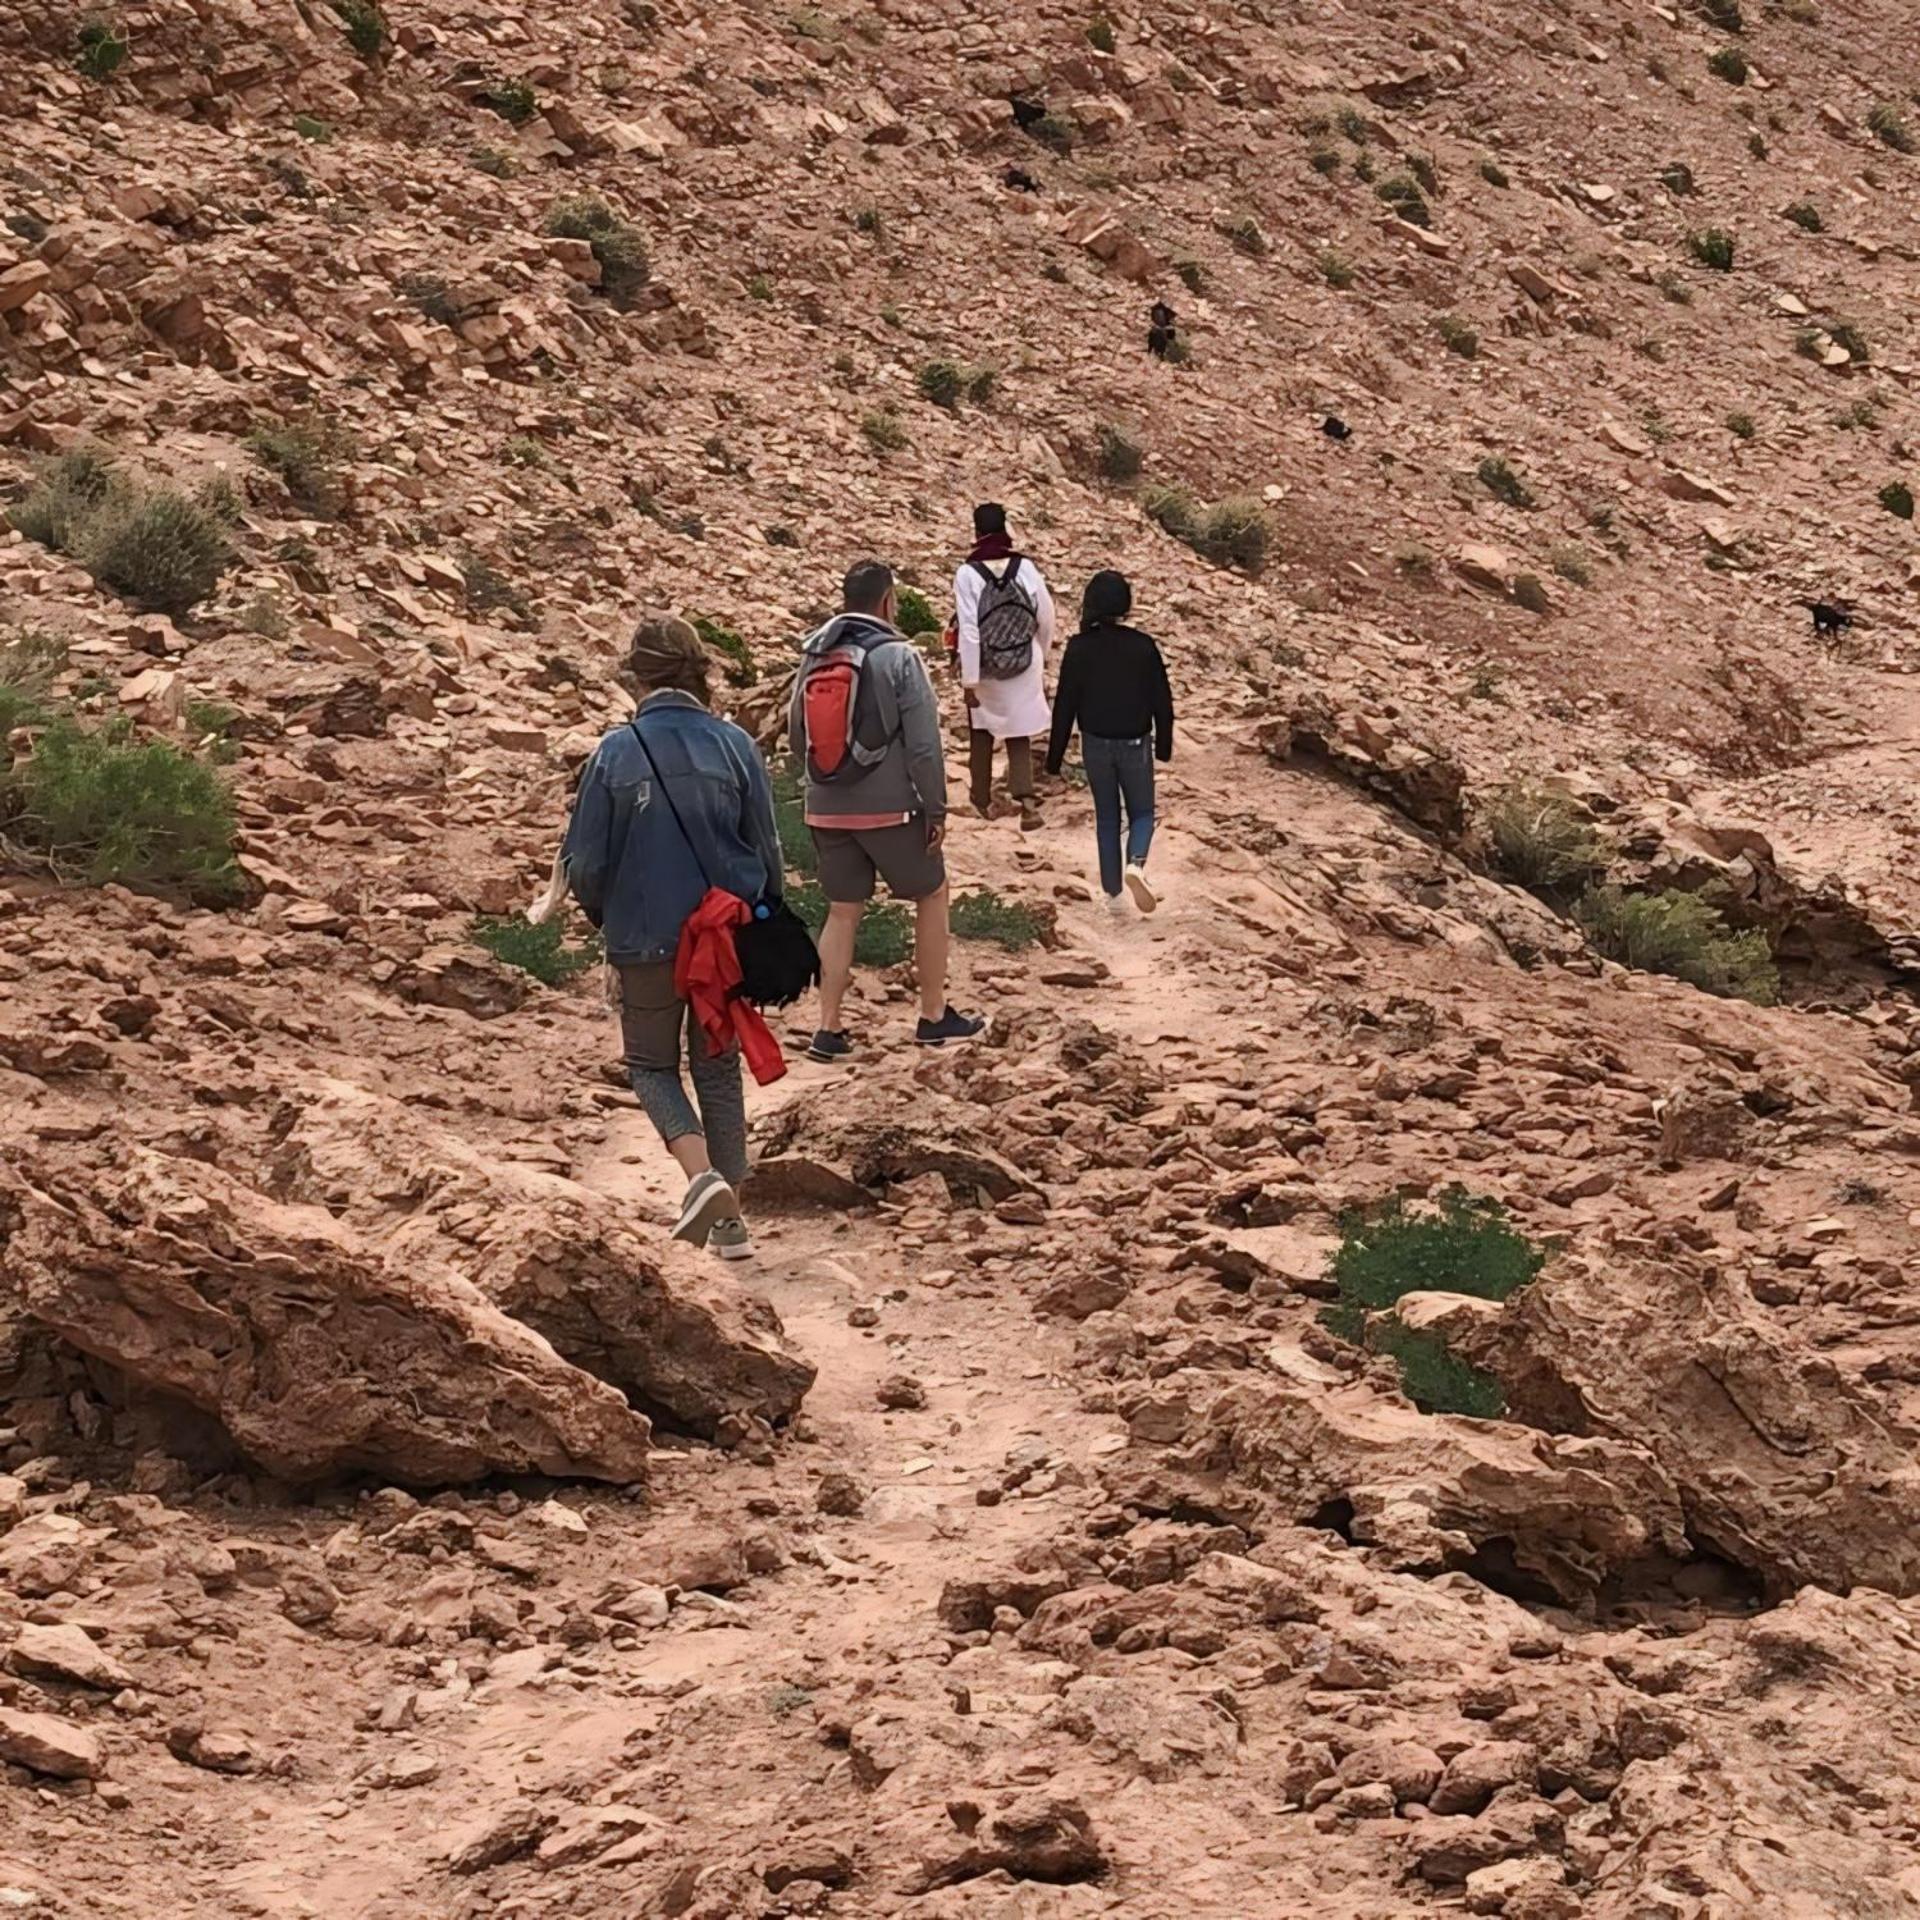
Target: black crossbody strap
<point>666,793</point>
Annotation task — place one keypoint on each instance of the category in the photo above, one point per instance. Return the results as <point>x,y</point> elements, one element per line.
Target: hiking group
<point>673,851</point>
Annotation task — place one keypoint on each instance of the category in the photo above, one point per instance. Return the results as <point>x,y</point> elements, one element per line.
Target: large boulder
<point>645,1315</point>
<point>316,1355</point>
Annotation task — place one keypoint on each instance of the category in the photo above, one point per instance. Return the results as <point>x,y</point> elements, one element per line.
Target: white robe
<point>1008,709</point>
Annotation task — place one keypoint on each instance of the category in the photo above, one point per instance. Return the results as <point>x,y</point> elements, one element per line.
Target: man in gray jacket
<point>866,722</point>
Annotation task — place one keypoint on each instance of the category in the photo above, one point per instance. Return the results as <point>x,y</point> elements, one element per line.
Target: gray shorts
<point>653,1017</point>
<point>851,859</point>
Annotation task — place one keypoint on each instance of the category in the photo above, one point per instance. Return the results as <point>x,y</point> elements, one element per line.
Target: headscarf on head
<point>1107,600</point>
<point>667,654</point>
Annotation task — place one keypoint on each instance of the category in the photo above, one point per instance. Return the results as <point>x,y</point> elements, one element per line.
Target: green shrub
<point>1571,563</point>
<point>1100,34</point>
<point>366,26</point>
<point>981,382</point>
<point>1191,275</point>
<point>797,850</point>
<point>1887,124</point>
<point>1741,426</point>
<point>1460,338</point>
<point>1712,248</point>
<point>100,50</point>
<point>1462,1244</point>
<point>1402,193</point>
<point>1324,160</point>
<point>513,100</point>
<point>1728,64</point>
<point>943,382</point>
<point>523,450</point>
<point>1336,269</point>
<point>1236,533</point>
<point>490,591</point>
<point>308,128</point>
<point>1120,456</point>
<point>1500,480</point>
<point>64,492</point>
<point>1804,214</point>
<point>1493,173</point>
<point>155,546</point>
<point>983,915</point>
<point>1539,840</point>
<point>618,245</point>
<point>760,288</point>
<point>1055,131</point>
<point>1897,497</point>
<point>306,452</point>
<point>1843,333</point>
<point>541,951</point>
<point>742,670</point>
<point>502,166</point>
<point>915,613</point>
<point>884,431</point>
<point>870,220</point>
<point>1680,934</point>
<point>886,928</point>
<point>102,806</point>
<point>28,664</point>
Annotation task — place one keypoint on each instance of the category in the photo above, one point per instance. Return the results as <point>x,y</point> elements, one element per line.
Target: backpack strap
<point>984,569</point>
<point>666,793</point>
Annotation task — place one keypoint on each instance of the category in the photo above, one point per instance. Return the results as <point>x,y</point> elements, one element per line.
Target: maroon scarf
<point>996,546</point>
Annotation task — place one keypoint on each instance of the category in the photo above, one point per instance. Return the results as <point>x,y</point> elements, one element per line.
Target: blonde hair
<point>666,654</point>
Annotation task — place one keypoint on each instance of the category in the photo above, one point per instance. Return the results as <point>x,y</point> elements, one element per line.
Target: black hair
<point>989,518</point>
<point>866,587</point>
<point>1108,597</point>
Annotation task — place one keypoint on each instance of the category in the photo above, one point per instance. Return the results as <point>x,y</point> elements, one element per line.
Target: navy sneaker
<point>830,1047</point>
<point>950,1026</point>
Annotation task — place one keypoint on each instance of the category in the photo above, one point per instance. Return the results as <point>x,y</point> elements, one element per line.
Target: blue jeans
<point>1120,770</point>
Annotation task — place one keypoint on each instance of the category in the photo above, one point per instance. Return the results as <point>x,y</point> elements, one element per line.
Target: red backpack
<point>847,711</point>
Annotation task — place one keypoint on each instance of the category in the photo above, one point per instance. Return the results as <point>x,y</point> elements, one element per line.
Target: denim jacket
<point>636,874</point>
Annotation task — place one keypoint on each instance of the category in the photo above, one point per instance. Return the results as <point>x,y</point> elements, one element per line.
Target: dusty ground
<point>1089,1577</point>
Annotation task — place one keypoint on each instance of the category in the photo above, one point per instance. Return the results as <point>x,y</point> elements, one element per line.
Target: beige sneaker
<point>1141,888</point>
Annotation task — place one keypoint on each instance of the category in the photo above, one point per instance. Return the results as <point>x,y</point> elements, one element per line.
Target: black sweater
<point>1113,685</point>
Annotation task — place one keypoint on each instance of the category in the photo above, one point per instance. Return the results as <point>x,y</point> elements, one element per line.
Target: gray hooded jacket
<point>911,775</point>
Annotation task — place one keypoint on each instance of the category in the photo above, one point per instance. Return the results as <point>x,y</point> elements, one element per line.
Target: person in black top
<point>1113,686</point>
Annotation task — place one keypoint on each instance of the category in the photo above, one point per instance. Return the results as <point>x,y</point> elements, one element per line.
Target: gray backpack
<point>1009,622</point>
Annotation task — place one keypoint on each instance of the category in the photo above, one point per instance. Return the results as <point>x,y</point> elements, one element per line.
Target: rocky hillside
<point>1078,1514</point>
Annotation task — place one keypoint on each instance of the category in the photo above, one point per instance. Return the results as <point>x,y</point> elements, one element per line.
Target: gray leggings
<point>652,1019</point>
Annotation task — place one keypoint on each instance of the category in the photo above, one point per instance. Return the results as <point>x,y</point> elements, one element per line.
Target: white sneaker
<point>709,1201</point>
<point>1141,888</point>
<point>1116,904</point>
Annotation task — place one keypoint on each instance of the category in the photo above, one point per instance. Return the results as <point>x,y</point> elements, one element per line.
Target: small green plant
<point>523,450</point>
<point>541,951</point>
<point>1653,423</point>
<point>1889,126</point>
<point>1192,275</point>
<point>99,805</point>
<point>785,1700</point>
<point>1499,478</point>
<point>1055,131</point>
<point>366,27</point>
<point>1494,174</point>
<point>1173,509</point>
<point>1247,236</point>
<point>914,612</point>
<point>1324,160</point>
<point>1712,248</point>
<point>1729,64</point>
<point>100,50</point>
<point>64,492</point>
<point>1843,333</point>
<point>1677,178</point>
<point>306,451</point>
<point>1571,563</point>
<point>1680,934</point>
<point>1538,839</point>
<point>155,546</point>
<point>1897,497</point>
<point>1460,338</point>
<point>982,915</point>
<point>892,315</point>
<point>513,100</point>
<point>870,220</point>
<point>29,663</point>
<point>1462,1244</point>
<point>431,294</point>
<point>1864,413</point>
<point>490,591</point>
<point>1100,34</point>
<point>618,245</point>
<point>742,670</point>
<point>1741,426</point>
<point>1236,533</point>
<point>883,431</point>
<point>1121,458</point>
<point>1403,194</point>
<point>1806,216</point>
<point>886,928</point>
<point>491,160</point>
<point>981,384</point>
<point>943,382</point>
<point>1336,269</point>
<point>760,288</point>
<point>308,128</point>
<point>797,849</point>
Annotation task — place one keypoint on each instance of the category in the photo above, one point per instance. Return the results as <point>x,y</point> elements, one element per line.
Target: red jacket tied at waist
<point>706,975</point>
